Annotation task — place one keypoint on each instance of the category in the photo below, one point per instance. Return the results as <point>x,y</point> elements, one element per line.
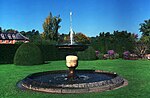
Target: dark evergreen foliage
<point>117,41</point>
<point>88,54</point>
<point>28,54</point>
<point>7,52</point>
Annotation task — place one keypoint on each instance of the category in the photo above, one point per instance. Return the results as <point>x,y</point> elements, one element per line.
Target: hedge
<point>28,54</point>
<point>88,54</point>
<point>49,53</point>
<point>7,52</point>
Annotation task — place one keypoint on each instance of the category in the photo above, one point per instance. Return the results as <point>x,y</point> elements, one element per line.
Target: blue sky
<point>89,16</point>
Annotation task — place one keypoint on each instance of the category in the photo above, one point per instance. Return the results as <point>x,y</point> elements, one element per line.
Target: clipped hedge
<point>51,53</point>
<point>28,54</point>
<point>88,54</point>
<point>7,53</point>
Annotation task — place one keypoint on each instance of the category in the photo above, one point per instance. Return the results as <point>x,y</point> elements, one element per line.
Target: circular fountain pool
<point>84,82</point>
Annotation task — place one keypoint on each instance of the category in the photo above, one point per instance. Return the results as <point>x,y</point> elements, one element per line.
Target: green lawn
<point>137,72</point>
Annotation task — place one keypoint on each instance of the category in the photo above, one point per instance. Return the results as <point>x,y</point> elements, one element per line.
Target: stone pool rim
<point>106,85</point>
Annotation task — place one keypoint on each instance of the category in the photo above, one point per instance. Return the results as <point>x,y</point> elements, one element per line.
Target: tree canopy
<point>51,26</point>
<point>118,41</point>
<point>145,28</point>
<point>145,38</point>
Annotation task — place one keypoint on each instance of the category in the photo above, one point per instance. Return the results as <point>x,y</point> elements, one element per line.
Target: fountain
<point>72,80</point>
<point>71,31</point>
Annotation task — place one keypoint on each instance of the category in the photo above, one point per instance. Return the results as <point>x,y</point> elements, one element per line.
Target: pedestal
<point>72,63</point>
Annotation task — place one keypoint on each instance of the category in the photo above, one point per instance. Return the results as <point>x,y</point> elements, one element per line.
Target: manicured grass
<point>137,73</point>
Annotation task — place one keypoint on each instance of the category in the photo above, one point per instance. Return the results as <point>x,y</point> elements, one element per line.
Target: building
<point>12,38</point>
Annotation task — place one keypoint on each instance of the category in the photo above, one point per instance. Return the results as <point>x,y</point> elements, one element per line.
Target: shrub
<point>106,56</point>
<point>111,54</point>
<point>101,56</point>
<point>116,56</point>
<point>97,53</point>
<point>28,54</point>
<point>133,57</point>
<point>126,55</point>
<point>88,54</point>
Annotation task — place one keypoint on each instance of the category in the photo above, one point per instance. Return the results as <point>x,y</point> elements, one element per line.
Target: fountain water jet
<point>71,30</point>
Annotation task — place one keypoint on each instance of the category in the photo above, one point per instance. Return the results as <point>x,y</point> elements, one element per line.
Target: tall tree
<point>141,48</point>
<point>145,28</point>
<point>51,26</point>
<point>81,38</point>
<point>145,39</point>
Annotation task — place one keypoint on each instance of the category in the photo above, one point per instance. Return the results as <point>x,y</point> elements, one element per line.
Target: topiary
<point>88,54</point>
<point>28,54</point>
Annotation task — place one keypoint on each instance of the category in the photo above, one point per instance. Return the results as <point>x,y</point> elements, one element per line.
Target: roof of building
<point>12,36</point>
